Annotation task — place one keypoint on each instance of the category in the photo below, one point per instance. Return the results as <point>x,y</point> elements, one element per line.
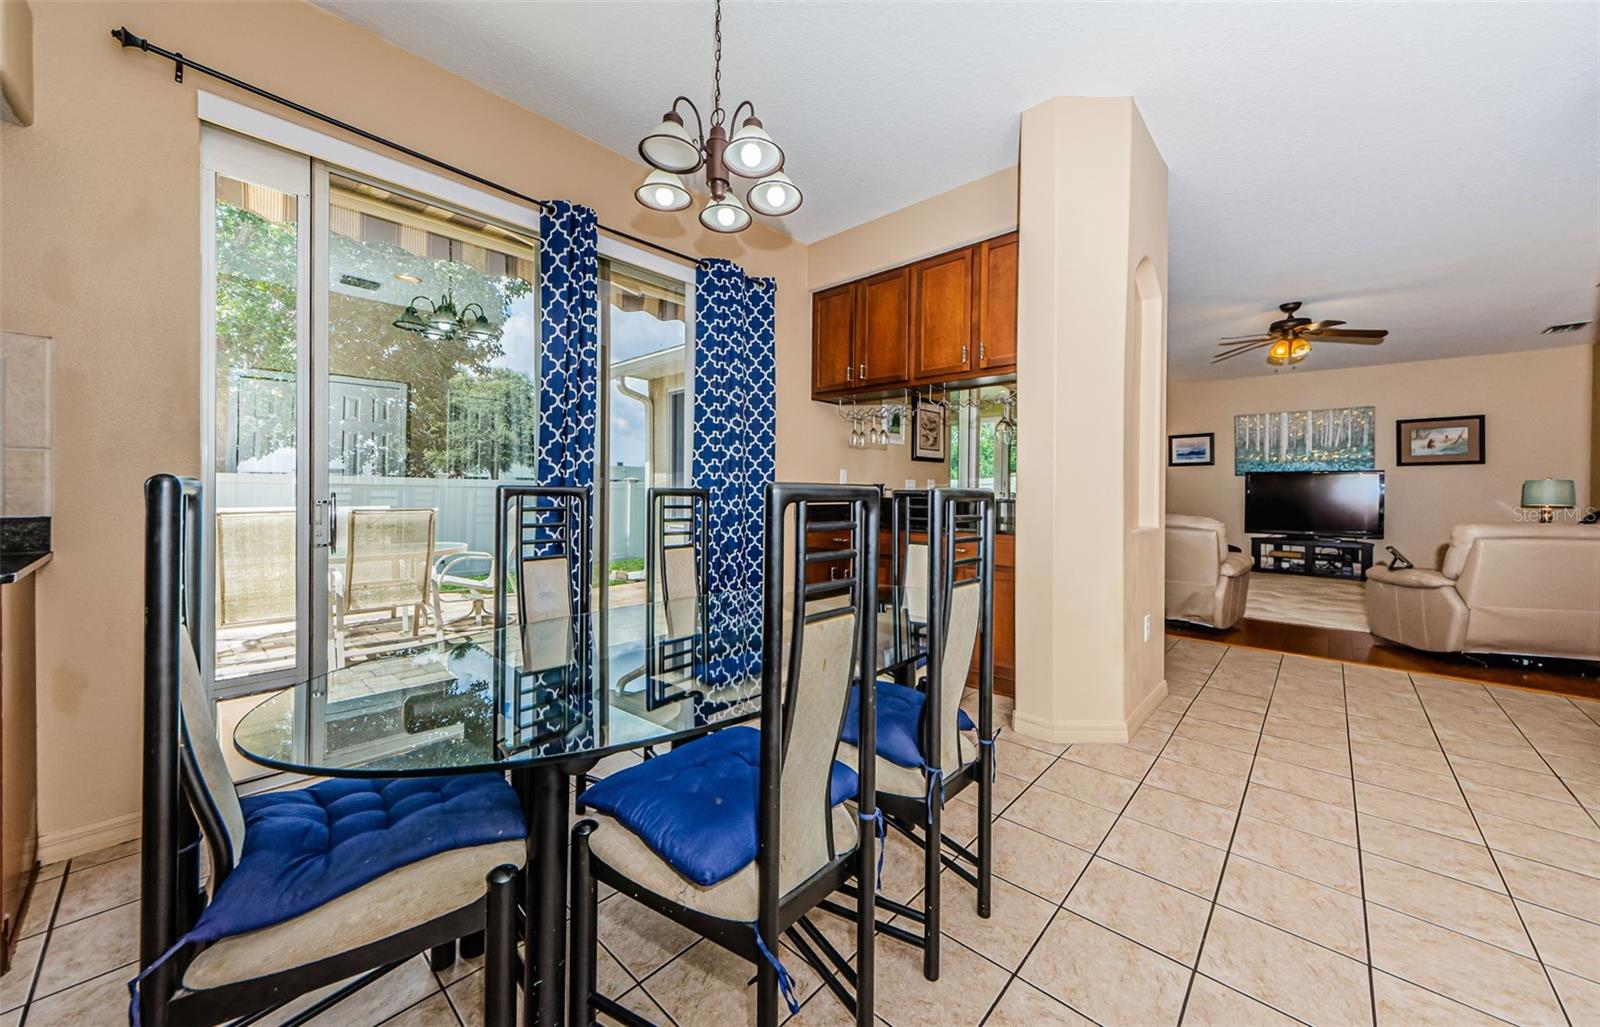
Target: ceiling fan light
<point>1299,351</point>
<point>670,147</point>
<point>726,215</point>
<point>1278,353</point>
<point>775,195</point>
<point>664,191</point>
<point>751,152</point>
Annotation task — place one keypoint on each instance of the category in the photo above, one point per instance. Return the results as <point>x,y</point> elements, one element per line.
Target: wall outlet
<point>844,476</point>
<point>1147,627</point>
<point>930,483</point>
<point>911,483</point>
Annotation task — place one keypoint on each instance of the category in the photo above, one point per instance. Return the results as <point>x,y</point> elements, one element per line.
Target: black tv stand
<point>1311,555</point>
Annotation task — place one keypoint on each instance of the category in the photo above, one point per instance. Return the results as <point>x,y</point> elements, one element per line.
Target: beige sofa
<point>1530,589</point>
<point>1206,584</point>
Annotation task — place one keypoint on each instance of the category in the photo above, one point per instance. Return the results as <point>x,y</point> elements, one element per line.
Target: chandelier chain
<point>716,76</point>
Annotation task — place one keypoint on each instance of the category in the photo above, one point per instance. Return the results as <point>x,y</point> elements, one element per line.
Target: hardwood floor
<point>1571,678</point>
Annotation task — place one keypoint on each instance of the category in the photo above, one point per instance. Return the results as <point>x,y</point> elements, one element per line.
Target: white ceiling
<point>1426,168</point>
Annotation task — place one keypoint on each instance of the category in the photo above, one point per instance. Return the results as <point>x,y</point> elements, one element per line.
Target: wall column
<point>1092,420</point>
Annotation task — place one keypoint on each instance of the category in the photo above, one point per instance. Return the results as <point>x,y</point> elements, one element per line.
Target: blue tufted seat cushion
<point>899,723</point>
<point>695,807</point>
<point>305,847</point>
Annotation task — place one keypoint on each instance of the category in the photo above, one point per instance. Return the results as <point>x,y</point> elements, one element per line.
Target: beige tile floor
<point>1286,839</point>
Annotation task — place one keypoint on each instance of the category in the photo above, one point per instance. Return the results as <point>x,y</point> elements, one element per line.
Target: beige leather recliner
<point>1529,589</point>
<point>1206,584</point>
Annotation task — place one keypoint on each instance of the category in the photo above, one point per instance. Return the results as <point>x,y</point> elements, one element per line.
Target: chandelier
<point>441,321</point>
<point>749,153</point>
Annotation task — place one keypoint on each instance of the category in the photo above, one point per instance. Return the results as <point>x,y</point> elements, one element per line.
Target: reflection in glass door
<point>646,356</point>
<point>430,324</point>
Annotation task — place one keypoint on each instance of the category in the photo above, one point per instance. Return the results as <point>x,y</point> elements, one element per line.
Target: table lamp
<point>1549,493</point>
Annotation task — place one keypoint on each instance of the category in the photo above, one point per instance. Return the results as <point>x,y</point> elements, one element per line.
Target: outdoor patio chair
<point>388,557</point>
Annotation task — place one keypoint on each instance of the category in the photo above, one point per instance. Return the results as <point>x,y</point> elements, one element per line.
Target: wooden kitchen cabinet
<point>883,343</point>
<point>833,320</point>
<point>997,304</point>
<point>942,323</point>
<point>950,319</point>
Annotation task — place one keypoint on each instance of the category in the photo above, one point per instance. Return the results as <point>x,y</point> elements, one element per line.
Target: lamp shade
<point>725,215</point>
<point>751,152</point>
<point>670,147</point>
<point>774,195</point>
<point>1549,492</point>
<point>663,190</point>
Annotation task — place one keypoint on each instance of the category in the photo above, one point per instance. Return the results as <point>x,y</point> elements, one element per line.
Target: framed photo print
<point>930,437</point>
<point>1197,450</point>
<point>1439,440</point>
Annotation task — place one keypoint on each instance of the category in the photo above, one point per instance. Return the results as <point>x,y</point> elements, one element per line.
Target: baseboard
<point>1117,731</point>
<point>55,846</point>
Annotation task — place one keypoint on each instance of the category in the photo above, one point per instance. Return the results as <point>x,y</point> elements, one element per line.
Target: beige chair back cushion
<point>682,588</point>
<point>200,741</point>
<point>914,586</point>
<point>960,638</point>
<point>821,689</point>
<point>1531,588</point>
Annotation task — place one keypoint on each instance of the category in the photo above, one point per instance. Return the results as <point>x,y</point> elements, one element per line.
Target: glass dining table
<point>544,701</point>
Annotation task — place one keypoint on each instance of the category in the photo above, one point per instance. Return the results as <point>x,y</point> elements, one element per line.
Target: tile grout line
<point>1016,971</point>
<point>1361,858</point>
<point>1507,714</point>
<point>1490,850</point>
<point>1238,815</point>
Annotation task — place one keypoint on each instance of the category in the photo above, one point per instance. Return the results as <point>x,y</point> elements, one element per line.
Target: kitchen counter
<point>16,566</point>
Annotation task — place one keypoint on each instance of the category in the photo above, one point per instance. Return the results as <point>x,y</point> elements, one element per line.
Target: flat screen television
<point>1335,504</point>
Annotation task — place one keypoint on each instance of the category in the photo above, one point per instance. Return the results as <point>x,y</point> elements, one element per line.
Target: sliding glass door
<point>371,375</point>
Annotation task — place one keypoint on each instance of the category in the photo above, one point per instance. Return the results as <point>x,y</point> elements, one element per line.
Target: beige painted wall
<point>1093,262</point>
<point>1537,403</point>
<point>100,233</point>
<point>1594,425</point>
<point>966,214</point>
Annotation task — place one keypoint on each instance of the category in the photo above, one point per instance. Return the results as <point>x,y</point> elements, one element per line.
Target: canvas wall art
<point>1305,440</point>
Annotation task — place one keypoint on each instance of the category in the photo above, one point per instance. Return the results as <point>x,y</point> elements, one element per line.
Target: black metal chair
<point>938,753</point>
<point>219,952</point>
<point>676,618</point>
<point>804,840</point>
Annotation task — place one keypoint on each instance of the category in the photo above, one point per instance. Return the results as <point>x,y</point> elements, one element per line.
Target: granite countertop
<point>24,546</point>
<point>15,566</point>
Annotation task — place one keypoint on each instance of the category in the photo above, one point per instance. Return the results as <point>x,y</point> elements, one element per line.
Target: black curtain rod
<point>180,62</point>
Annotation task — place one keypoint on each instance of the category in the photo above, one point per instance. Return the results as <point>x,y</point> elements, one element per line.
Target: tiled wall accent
<point>25,409</point>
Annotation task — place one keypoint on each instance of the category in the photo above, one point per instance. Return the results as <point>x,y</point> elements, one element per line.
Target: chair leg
<point>471,946</point>
<point>932,863</point>
<point>500,963</point>
<point>442,957</point>
<point>985,830</point>
<point>582,951</point>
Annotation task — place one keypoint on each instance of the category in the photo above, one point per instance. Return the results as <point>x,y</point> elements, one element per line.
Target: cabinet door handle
<point>982,351</point>
<point>963,354</point>
<point>862,374</point>
<point>848,371</point>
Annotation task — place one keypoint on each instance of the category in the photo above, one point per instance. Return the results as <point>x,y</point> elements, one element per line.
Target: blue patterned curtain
<point>735,423</point>
<point>569,330</point>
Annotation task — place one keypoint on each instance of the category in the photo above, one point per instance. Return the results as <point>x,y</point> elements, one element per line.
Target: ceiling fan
<point>1288,339</point>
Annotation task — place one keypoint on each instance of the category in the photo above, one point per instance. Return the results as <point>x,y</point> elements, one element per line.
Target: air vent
<point>359,283</point>
<point>1563,329</point>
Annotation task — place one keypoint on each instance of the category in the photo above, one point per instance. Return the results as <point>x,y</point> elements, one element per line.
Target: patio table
<point>544,701</point>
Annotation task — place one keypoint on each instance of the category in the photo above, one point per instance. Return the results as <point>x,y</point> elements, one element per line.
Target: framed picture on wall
<point>929,438</point>
<point>1197,450</point>
<point>1439,440</point>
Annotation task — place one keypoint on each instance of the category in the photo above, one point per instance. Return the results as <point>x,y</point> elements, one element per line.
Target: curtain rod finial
<point>127,38</point>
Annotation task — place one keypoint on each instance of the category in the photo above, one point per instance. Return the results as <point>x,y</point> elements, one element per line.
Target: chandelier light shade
<point>725,214</point>
<point>751,152</point>
<point>774,195</point>
<point>663,190</point>
<point>440,320</point>
<point>672,150</point>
